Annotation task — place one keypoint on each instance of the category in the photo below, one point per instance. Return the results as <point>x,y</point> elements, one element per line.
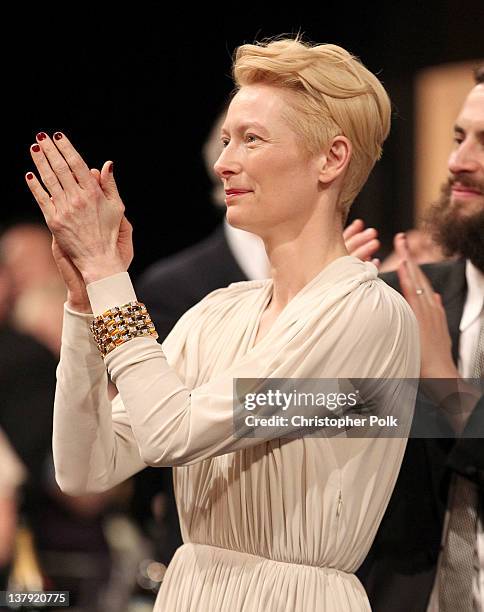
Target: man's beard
<point>457,230</point>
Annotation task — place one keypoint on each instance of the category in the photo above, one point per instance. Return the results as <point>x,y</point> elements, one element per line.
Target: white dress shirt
<point>249,252</point>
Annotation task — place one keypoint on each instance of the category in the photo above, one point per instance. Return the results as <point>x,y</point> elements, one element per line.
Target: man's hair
<point>479,74</point>
<point>334,94</point>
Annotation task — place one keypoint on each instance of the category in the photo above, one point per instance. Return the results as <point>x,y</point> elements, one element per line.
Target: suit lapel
<point>453,297</point>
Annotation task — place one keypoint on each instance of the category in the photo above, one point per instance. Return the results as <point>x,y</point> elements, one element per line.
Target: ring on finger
<point>419,291</point>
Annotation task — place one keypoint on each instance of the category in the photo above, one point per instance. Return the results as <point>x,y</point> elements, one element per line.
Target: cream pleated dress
<point>268,524</point>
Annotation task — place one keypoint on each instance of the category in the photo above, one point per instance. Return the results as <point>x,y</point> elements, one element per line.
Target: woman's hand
<point>360,242</point>
<point>77,297</point>
<point>82,209</point>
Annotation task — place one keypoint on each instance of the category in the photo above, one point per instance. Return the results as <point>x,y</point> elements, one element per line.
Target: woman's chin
<point>235,219</point>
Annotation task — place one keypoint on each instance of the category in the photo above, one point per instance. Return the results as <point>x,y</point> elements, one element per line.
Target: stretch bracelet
<point>121,324</point>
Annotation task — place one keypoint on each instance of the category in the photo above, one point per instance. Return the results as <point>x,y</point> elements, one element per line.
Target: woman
<point>268,524</point>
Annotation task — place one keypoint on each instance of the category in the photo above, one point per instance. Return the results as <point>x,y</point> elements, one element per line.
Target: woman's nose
<point>226,165</point>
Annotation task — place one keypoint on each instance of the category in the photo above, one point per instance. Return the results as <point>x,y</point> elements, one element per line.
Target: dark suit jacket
<point>27,385</point>
<point>169,288</point>
<point>399,571</point>
<point>175,284</point>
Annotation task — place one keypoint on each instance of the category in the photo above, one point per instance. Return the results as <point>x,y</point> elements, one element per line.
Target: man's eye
<point>224,141</point>
<point>458,140</point>
<point>251,138</point>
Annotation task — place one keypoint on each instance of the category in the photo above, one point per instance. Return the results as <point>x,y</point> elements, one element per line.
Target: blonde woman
<point>268,524</point>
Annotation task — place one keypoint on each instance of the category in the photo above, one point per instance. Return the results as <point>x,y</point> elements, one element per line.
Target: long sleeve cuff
<point>77,338</point>
<point>111,291</point>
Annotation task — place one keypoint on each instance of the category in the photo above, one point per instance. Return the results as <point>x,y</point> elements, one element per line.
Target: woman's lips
<point>233,193</point>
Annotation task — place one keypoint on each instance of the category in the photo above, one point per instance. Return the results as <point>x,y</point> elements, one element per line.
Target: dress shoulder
<point>207,315</point>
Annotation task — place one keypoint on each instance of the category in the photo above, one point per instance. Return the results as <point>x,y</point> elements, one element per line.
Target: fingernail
<point>41,136</point>
<point>35,148</point>
<point>58,135</point>
<point>30,176</point>
<point>110,168</point>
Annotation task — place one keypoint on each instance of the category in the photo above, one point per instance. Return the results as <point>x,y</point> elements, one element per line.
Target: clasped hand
<point>83,210</point>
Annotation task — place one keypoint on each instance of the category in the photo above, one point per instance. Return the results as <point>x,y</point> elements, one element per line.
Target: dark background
<point>141,86</point>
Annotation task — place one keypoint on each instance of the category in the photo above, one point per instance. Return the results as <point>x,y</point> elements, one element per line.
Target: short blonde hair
<point>334,95</point>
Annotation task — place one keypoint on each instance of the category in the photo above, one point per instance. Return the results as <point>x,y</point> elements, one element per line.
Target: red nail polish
<point>110,169</point>
<point>30,176</point>
<point>41,136</point>
<point>58,135</point>
<point>35,148</point>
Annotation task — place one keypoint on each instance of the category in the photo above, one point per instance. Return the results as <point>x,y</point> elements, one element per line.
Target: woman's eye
<point>249,138</point>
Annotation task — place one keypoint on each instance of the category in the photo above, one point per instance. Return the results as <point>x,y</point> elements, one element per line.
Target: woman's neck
<point>294,263</point>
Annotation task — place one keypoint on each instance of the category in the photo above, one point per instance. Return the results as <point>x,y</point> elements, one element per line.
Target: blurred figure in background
<point>27,378</point>
<point>12,475</point>
<point>37,292</point>
<point>65,534</point>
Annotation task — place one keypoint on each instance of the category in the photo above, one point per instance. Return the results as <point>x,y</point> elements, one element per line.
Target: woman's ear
<point>336,160</point>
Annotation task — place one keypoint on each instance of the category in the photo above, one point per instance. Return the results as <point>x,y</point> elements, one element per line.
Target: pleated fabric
<point>268,524</point>
<point>283,525</point>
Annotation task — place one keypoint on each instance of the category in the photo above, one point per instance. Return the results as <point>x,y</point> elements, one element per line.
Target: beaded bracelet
<point>121,324</point>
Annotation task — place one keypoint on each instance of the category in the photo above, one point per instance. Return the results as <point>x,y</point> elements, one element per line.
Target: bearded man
<point>428,555</point>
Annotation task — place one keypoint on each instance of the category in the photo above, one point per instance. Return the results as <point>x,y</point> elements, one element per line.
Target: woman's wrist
<point>82,306</point>
<point>96,270</point>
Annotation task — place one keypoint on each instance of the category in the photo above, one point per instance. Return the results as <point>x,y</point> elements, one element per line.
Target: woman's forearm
<point>93,445</point>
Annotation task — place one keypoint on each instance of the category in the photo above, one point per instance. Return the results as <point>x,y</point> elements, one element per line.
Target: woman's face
<point>269,178</point>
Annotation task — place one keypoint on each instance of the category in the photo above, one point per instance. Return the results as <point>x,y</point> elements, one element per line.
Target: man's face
<point>466,162</point>
<point>457,219</point>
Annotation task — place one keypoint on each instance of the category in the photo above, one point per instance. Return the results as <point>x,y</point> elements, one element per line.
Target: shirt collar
<point>249,252</point>
<point>475,296</point>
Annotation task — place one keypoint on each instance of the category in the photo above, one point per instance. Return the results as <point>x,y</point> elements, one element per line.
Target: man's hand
<point>427,306</point>
<point>441,381</point>
<point>360,242</point>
